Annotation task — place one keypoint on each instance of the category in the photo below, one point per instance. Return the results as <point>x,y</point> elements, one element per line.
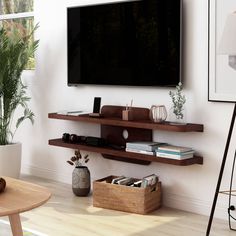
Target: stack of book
<point>175,152</point>
<point>147,148</point>
<point>146,181</point>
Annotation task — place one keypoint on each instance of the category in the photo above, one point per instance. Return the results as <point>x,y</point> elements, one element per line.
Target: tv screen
<point>135,43</point>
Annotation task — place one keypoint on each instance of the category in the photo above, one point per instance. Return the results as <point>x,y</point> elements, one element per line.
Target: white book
<point>146,146</point>
<point>149,180</point>
<point>175,148</point>
<point>174,156</point>
<point>72,113</point>
<point>140,151</point>
<point>175,153</point>
<point>114,181</point>
<point>152,179</point>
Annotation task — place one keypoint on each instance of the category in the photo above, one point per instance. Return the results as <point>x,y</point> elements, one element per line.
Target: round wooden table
<point>20,196</point>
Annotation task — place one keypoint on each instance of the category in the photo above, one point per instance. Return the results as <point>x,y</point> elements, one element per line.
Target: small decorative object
<point>127,114</point>
<point>178,101</point>
<point>2,185</point>
<point>158,113</point>
<point>80,175</point>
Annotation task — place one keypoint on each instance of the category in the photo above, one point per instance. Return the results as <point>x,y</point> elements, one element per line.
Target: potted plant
<point>15,50</point>
<point>178,101</point>
<point>80,175</point>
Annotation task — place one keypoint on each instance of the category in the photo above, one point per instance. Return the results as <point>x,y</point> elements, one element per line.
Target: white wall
<point>189,188</point>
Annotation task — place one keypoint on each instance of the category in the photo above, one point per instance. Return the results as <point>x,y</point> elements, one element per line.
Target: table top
<point>20,196</point>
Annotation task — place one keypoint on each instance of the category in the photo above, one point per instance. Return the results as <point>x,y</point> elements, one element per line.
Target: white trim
<point>198,206</point>
<point>64,177</point>
<point>17,15</point>
<point>46,173</point>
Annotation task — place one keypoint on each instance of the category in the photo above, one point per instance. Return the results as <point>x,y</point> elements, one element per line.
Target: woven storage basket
<point>126,198</point>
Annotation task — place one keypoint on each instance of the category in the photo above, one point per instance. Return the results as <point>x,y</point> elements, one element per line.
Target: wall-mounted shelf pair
<point>139,129</point>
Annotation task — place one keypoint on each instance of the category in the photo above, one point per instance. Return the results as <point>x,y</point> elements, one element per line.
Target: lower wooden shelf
<point>122,155</point>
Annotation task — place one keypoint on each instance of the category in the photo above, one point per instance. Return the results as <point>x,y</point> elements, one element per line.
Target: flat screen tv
<point>136,43</point>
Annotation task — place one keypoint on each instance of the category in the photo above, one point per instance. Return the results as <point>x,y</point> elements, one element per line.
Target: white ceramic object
<point>158,113</point>
<point>10,160</point>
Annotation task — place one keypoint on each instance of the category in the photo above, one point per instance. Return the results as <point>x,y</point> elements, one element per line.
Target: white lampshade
<point>228,41</point>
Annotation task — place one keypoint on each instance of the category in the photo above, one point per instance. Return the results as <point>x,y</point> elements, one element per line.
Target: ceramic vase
<point>10,160</point>
<point>158,113</point>
<point>81,181</point>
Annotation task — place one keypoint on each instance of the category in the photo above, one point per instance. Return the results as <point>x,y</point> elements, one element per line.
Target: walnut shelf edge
<point>129,155</point>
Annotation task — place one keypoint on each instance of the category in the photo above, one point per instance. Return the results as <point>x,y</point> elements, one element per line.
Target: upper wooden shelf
<point>142,124</point>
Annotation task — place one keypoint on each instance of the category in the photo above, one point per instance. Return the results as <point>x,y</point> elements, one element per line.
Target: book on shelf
<point>72,113</point>
<point>140,151</point>
<point>174,156</point>
<point>172,148</point>
<point>145,146</point>
<point>175,153</point>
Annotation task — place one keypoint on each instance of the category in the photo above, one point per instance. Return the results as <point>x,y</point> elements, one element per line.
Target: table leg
<point>16,227</point>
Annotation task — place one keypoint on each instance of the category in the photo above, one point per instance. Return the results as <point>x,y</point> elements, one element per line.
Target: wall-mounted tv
<point>136,43</point>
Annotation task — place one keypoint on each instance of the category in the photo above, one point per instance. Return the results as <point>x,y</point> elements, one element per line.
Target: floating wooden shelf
<point>127,155</point>
<point>139,129</point>
<point>143,124</point>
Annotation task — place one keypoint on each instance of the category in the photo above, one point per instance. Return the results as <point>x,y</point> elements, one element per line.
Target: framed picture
<point>222,78</point>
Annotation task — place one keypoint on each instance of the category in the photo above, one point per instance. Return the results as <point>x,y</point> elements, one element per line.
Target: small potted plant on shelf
<point>178,101</point>
<point>80,175</point>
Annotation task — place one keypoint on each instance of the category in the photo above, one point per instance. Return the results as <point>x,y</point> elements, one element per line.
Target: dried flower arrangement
<point>78,160</point>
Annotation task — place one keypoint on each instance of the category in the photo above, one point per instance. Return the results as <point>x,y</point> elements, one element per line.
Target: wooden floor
<point>68,215</point>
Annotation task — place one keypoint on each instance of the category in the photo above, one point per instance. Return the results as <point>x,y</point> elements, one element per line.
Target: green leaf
<point>15,52</point>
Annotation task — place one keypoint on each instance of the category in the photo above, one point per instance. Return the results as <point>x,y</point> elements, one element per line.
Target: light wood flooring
<point>68,215</point>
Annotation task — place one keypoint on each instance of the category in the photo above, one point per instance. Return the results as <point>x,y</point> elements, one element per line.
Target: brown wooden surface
<point>112,116</point>
<point>114,135</point>
<point>20,196</point>
<point>126,198</point>
<point>138,113</point>
<point>127,155</point>
<point>125,159</point>
<point>139,129</point>
<point>16,226</point>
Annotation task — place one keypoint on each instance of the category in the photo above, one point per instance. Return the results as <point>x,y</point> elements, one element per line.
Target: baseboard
<point>170,200</point>
<point>47,173</point>
<point>64,177</point>
<point>194,205</point>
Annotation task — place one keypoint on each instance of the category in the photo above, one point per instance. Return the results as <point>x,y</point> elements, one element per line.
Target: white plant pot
<point>10,160</point>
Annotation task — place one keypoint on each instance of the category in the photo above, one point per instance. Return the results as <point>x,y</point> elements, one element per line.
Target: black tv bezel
<point>137,86</point>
